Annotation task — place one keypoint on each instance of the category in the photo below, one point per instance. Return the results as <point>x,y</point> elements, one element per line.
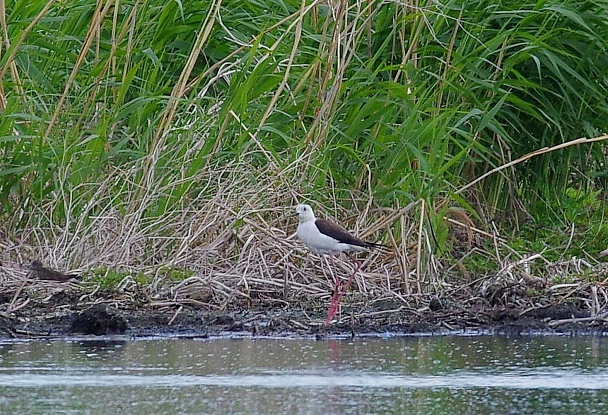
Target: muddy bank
<point>62,314</point>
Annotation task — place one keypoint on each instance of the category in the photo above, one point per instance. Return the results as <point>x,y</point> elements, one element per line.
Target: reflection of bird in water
<point>43,273</point>
<point>327,238</point>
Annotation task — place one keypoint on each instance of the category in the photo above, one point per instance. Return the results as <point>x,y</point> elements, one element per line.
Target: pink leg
<point>350,279</point>
<point>333,272</point>
<point>338,294</point>
<point>333,305</point>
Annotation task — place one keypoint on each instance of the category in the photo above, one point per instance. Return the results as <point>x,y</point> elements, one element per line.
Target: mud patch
<point>63,315</point>
<point>98,321</point>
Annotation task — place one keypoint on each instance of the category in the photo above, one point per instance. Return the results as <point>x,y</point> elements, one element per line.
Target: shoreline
<point>104,320</point>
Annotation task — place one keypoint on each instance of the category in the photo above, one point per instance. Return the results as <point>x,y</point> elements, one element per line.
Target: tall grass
<point>126,110</point>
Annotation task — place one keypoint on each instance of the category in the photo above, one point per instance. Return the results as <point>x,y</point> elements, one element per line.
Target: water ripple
<point>546,380</point>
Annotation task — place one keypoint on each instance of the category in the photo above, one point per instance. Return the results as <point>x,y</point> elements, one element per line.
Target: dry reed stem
<point>531,155</point>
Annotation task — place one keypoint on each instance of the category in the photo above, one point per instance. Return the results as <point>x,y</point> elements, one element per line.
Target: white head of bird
<point>304,213</point>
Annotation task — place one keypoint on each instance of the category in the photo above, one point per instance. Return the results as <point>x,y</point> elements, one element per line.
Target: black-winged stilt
<point>324,237</point>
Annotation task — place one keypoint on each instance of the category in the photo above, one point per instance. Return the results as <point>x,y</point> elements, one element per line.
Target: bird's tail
<point>379,246</point>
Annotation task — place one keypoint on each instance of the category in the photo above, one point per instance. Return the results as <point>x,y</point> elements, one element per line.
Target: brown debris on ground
<point>36,308</point>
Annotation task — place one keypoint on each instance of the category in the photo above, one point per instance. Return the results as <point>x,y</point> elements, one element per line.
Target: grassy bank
<point>165,145</point>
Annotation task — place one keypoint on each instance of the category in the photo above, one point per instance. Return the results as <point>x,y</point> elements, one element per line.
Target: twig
<point>600,317</point>
<point>179,309</point>
<point>11,307</point>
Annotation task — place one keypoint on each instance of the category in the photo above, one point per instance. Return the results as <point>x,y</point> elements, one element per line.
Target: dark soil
<point>64,315</point>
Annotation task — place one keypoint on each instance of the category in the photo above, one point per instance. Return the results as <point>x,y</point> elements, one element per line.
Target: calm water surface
<point>414,375</point>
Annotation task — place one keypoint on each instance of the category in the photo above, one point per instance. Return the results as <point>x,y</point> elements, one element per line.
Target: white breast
<point>315,240</point>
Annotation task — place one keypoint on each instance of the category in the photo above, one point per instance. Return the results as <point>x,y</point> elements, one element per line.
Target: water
<point>414,375</point>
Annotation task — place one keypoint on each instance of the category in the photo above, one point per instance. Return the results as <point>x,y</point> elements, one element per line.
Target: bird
<point>324,237</point>
<point>43,273</point>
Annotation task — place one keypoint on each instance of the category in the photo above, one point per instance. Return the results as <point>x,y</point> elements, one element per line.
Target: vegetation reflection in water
<point>371,375</point>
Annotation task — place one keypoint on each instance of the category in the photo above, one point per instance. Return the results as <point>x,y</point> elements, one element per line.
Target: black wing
<point>342,235</point>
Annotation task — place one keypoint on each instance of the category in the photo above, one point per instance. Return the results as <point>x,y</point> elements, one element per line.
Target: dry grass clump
<point>228,244</point>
